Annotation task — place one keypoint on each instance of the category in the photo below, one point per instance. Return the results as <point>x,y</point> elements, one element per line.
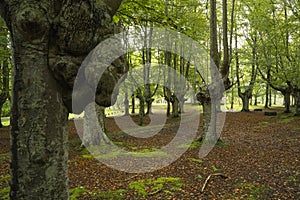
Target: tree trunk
<point>232,99</point>
<point>141,111</point>
<point>132,104</point>
<point>175,107</point>
<point>245,101</point>
<point>92,135</point>
<point>126,103</point>
<point>168,108</point>
<point>39,126</point>
<point>50,39</point>
<point>149,106</point>
<point>255,100</point>
<point>287,102</point>
<point>181,105</point>
<point>141,98</point>
<point>270,97</point>
<point>297,101</point>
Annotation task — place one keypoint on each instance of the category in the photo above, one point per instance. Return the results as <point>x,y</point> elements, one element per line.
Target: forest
<point>154,99</point>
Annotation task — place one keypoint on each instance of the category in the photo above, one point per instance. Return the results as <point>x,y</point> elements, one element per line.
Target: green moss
<point>168,185</point>
<point>114,195</point>
<point>292,179</point>
<point>215,169</point>
<point>195,144</point>
<point>253,191</point>
<point>196,160</point>
<point>4,179</point>
<point>4,193</point>
<point>77,192</point>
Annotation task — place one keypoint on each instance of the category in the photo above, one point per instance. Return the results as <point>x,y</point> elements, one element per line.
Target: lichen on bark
<point>50,39</point>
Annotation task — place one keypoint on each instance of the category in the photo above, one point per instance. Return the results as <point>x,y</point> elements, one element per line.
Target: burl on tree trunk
<point>50,39</point>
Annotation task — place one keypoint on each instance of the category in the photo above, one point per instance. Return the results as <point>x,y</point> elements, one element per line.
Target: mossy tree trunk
<point>49,39</point>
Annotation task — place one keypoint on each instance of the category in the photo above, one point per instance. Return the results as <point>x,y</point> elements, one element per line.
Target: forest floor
<point>259,158</point>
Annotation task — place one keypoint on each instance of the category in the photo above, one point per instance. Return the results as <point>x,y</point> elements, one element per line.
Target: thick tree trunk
<point>50,39</point>
<point>93,136</point>
<point>297,102</point>
<point>175,107</point>
<point>245,101</point>
<point>181,105</point>
<point>209,132</point>
<point>39,127</point>
<point>168,112</point>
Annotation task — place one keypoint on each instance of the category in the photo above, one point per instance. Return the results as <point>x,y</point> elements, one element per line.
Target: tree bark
<point>297,101</point>
<point>133,104</point>
<point>50,39</point>
<point>92,136</point>
<point>39,126</point>
<point>287,101</point>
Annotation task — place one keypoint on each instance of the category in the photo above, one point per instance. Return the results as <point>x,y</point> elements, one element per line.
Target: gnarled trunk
<point>245,100</point>
<point>50,39</point>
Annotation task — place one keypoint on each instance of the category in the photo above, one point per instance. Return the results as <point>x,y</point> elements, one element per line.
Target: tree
<point>50,39</point>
